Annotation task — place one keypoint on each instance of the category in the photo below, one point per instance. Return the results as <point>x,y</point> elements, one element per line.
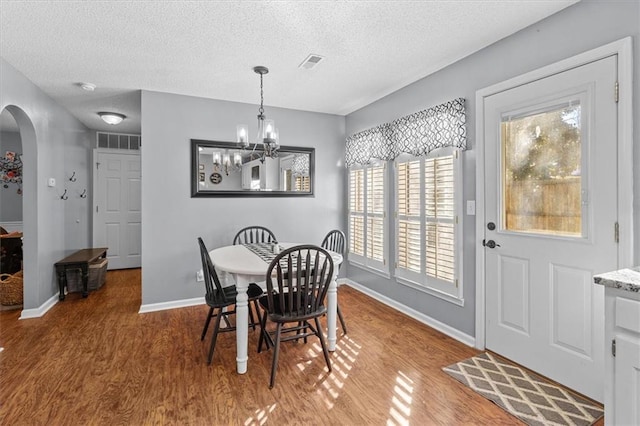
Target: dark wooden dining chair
<point>335,241</point>
<point>254,234</point>
<point>297,283</point>
<point>218,298</point>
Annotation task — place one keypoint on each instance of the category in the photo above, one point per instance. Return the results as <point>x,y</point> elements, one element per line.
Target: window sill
<point>384,274</point>
<point>430,291</point>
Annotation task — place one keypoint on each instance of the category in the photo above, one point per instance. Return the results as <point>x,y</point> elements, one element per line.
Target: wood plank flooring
<point>96,361</point>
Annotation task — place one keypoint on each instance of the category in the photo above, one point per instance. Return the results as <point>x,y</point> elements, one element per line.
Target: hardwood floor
<point>96,361</point>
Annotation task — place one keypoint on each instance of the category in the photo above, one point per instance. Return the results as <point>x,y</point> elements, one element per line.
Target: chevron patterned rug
<point>529,397</point>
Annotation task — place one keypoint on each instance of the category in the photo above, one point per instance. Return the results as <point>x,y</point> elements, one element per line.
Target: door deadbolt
<point>491,226</point>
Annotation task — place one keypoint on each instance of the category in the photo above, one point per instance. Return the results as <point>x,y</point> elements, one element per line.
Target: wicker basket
<point>97,273</point>
<point>11,289</point>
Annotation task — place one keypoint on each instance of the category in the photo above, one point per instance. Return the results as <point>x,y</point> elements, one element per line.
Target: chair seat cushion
<point>278,314</point>
<point>254,291</point>
<point>222,298</point>
<point>228,295</point>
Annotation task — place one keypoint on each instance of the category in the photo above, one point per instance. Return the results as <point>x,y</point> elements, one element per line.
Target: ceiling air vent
<point>311,61</point>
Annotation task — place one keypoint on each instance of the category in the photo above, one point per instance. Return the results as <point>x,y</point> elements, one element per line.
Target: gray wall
<point>171,220</point>
<point>54,143</point>
<point>581,27</point>
<point>10,200</point>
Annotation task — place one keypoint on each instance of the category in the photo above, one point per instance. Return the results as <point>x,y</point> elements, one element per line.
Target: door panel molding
<point>515,271</point>
<point>576,297</point>
<point>623,50</point>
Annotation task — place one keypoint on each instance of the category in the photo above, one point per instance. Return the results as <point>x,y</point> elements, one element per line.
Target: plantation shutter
<point>375,213</point>
<point>303,183</point>
<point>439,218</point>
<point>408,204</point>
<point>356,211</point>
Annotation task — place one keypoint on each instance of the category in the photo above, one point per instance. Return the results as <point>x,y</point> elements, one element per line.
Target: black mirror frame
<point>197,193</point>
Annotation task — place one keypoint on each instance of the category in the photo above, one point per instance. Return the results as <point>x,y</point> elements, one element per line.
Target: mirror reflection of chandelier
<point>222,161</point>
<point>267,132</point>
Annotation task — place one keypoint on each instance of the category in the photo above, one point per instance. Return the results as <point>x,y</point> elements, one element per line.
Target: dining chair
<point>254,234</point>
<point>219,298</point>
<point>297,283</point>
<point>335,241</point>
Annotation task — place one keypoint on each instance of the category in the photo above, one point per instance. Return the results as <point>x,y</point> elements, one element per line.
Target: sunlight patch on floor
<point>260,417</point>
<point>400,410</point>
<point>342,361</point>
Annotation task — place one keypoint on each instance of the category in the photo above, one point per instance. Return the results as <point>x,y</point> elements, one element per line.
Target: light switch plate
<point>471,207</point>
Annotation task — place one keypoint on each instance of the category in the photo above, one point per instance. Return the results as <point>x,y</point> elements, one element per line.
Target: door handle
<point>491,244</point>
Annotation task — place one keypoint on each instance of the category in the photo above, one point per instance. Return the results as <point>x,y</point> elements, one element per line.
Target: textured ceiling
<point>208,49</point>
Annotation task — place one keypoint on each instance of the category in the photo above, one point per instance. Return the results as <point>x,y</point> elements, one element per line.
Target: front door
<point>116,210</point>
<point>551,221</point>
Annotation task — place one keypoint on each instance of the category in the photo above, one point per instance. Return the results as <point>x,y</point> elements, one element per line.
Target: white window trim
<point>420,281</point>
<point>363,262</point>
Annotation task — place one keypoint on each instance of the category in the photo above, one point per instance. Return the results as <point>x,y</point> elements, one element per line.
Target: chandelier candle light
<point>267,132</point>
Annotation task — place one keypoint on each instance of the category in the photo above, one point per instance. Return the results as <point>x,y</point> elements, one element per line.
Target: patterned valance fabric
<point>418,134</point>
<point>369,144</point>
<point>300,165</point>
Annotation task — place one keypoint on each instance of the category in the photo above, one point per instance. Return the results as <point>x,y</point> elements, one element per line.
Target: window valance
<point>418,134</point>
<point>300,165</point>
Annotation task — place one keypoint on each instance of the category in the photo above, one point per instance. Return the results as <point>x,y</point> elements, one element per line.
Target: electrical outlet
<point>199,276</point>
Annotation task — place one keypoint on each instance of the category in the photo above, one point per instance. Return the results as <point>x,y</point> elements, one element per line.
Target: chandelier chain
<point>261,110</point>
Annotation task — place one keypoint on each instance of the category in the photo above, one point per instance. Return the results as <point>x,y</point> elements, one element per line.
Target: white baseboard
<point>41,310</point>
<point>184,303</point>
<point>419,316</point>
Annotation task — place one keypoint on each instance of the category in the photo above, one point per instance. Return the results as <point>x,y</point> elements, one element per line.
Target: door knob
<point>491,244</point>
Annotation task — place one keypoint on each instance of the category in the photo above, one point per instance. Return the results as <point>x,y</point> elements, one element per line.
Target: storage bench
<point>79,261</point>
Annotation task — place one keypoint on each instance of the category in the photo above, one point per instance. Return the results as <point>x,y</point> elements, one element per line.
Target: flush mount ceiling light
<point>89,87</point>
<point>267,132</point>
<point>112,118</point>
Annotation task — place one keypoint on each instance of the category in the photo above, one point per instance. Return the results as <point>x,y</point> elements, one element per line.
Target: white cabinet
<point>622,343</point>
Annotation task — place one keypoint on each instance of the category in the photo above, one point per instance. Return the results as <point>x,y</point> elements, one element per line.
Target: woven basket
<point>11,289</point>
<point>97,273</point>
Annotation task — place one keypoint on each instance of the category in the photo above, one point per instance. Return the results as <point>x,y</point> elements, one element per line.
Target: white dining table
<point>247,267</point>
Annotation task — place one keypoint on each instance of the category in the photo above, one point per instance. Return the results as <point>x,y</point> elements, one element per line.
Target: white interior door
<point>550,208</point>
<point>116,210</point>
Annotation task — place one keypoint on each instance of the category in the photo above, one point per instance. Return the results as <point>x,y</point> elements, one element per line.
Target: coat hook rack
<point>84,194</point>
<point>64,196</point>
<point>73,177</point>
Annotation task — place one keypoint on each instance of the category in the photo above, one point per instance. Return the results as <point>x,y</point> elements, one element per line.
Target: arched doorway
<point>10,213</point>
<point>29,209</point>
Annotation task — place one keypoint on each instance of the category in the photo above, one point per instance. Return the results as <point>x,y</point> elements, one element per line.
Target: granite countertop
<point>624,279</point>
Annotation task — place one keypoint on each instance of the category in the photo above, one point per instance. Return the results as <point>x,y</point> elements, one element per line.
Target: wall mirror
<point>223,169</point>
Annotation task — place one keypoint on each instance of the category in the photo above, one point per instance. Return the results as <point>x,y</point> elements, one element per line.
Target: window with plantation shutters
<point>427,216</point>
<point>367,216</point>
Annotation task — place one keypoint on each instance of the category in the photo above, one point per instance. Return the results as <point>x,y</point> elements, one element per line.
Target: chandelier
<point>267,133</point>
